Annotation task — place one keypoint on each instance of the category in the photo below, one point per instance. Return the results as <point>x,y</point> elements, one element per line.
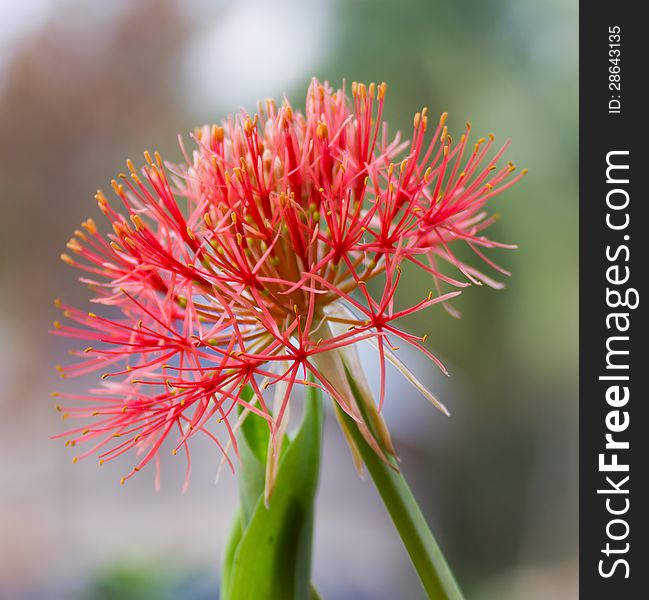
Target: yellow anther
<point>89,226</point>
<point>57,325</point>
<point>383,88</point>
<point>190,233</point>
<point>66,259</point>
<point>217,133</point>
<point>130,165</point>
<point>524,172</point>
<point>442,119</point>
<point>122,481</point>
<point>92,315</point>
<point>75,460</point>
<point>207,219</point>
<point>321,130</point>
<point>137,221</point>
<point>102,202</point>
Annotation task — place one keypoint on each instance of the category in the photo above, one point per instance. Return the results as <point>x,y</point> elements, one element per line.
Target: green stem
<point>425,553</point>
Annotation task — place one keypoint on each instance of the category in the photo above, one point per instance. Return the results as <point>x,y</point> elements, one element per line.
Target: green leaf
<point>253,446</point>
<point>236,532</point>
<point>273,558</point>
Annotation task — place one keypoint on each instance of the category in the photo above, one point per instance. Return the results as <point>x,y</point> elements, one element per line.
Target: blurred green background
<point>84,85</point>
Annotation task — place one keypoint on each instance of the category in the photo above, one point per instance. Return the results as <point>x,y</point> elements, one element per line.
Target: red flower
<point>246,267</point>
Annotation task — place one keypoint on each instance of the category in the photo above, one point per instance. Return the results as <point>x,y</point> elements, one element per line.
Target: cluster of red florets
<point>242,267</point>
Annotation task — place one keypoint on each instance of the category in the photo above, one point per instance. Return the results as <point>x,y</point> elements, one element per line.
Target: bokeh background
<point>86,84</point>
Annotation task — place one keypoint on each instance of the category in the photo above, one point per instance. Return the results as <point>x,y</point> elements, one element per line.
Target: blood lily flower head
<point>246,268</point>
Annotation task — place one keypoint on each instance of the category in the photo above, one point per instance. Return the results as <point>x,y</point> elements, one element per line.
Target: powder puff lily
<point>246,267</point>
